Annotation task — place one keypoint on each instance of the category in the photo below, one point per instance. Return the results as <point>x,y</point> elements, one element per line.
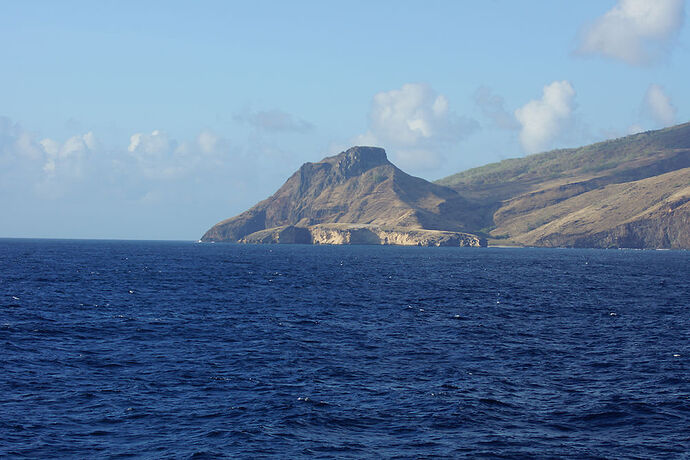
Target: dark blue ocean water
<point>183,350</point>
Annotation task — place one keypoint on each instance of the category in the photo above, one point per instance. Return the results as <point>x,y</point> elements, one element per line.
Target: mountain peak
<point>354,188</point>
<point>358,159</point>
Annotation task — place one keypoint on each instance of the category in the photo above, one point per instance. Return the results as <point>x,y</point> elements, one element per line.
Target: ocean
<point>139,349</point>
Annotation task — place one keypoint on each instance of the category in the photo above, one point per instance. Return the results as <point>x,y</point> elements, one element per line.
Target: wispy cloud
<point>658,106</point>
<point>274,121</point>
<point>148,176</point>
<point>49,167</point>
<point>634,31</point>
<point>415,124</point>
<point>493,107</point>
<point>542,120</point>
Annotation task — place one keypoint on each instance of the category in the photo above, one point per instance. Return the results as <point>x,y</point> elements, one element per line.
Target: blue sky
<point>155,120</point>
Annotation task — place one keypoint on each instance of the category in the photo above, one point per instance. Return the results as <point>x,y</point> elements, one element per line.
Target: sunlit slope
<point>627,192</point>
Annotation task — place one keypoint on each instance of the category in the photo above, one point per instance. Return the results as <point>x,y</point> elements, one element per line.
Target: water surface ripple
<point>182,350</point>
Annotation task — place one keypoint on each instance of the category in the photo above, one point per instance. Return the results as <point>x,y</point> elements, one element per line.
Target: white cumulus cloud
<point>70,156</point>
<point>415,124</point>
<point>658,105</point>
<point>158,156</point>
<point>634,31</point>
<point>16,143</point>
<point>155,144</point>
<point>75,186</point>
<point>47,158</point>
<point>155,154</point>
<point>542,120</point>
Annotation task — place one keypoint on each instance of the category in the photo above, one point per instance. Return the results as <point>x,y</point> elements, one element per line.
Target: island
<point>630,192</point>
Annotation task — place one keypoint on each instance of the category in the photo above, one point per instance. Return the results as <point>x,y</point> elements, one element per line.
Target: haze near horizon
<point>155,120</point>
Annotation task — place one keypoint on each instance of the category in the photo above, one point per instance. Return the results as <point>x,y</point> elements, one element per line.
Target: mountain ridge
<point>522,197</point>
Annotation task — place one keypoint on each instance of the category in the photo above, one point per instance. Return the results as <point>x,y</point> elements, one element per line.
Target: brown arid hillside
<point>343,193</point>
<point>632,192</point>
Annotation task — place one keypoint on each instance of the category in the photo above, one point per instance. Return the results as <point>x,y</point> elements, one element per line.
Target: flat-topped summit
<point>356,160</point>
<point>356,187</point>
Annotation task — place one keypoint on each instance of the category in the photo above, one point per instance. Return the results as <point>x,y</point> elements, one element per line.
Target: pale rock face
<point>429,238</point>
<point>322,234</point>
<point>361,234</point>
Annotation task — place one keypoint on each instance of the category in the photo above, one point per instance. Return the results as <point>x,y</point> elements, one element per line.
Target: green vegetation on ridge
<point>591,159</point>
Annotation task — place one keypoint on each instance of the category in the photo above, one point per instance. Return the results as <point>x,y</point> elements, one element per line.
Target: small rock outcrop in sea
<point>356,197</point>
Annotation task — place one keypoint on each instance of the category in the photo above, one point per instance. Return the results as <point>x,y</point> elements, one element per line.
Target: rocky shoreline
<point>361,234</point>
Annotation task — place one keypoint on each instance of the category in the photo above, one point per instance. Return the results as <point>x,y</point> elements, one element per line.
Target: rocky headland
<point>356,197</point>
